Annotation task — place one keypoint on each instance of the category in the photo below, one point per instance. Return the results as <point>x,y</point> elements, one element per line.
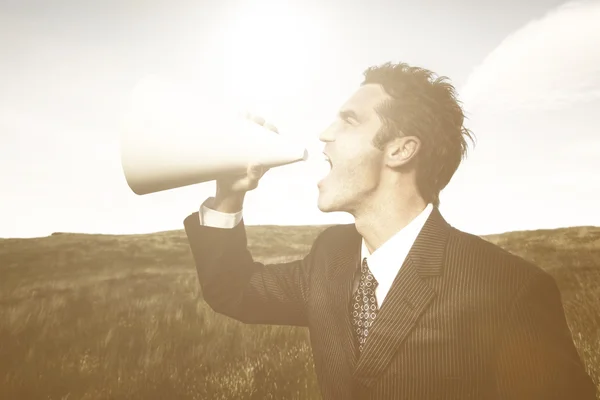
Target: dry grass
<point>121,317</point>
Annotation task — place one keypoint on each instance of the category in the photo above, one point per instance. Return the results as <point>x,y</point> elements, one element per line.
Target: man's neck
<point>385,218</point>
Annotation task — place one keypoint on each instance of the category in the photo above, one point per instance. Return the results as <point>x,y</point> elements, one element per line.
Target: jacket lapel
<point>409,297</point>
<point>342,264</point>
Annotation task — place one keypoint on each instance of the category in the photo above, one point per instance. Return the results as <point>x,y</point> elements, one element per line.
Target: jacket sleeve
<point>235,285</point>
<point>537,359</point>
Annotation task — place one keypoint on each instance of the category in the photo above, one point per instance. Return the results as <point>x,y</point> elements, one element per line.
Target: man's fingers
<point>255,172</point>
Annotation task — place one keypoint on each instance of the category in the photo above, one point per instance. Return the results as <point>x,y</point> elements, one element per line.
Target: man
<point>400,305</point>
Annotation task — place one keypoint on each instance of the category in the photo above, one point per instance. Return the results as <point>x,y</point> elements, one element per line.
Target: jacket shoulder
<point>481,255</point>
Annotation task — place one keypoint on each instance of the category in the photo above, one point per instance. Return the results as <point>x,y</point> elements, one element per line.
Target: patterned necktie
<point>364,305</point>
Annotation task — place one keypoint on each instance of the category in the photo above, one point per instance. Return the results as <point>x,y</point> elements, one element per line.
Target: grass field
<point>122,317</point>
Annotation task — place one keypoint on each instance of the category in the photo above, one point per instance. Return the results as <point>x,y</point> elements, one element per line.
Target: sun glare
<point>270,50</point>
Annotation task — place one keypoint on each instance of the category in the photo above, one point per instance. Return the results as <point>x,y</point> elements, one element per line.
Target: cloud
<point>532,104</point>
<point>550,63</point>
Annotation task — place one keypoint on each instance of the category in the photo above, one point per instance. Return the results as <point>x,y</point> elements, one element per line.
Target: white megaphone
<point>170,139</point>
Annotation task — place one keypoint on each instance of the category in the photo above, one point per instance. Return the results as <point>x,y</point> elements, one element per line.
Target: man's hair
<point>424,106</point>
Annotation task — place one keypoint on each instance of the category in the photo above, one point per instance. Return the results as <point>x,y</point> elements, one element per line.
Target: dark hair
<point>424,106</point>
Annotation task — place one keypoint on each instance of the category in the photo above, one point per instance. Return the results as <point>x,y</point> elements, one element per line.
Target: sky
<point>528,74</point>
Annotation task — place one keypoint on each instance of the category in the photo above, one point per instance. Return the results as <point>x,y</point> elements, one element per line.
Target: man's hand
<point>232,189</point>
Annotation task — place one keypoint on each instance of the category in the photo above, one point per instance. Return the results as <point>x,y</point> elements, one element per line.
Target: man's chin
<point>327,202</point>
<point>326,207</point>
<point>323,206</point>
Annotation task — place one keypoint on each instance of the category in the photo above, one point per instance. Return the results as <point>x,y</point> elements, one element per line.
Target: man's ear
<point>400,151</point>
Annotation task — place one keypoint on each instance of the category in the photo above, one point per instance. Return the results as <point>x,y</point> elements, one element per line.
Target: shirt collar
<point>395,247</point>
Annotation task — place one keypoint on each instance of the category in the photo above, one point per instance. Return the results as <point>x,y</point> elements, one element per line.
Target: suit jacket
<point>464,319</point>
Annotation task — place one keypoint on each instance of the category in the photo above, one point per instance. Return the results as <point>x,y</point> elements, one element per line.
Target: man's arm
<point>232,282</point>
<point>235,285</point>
<point>537,359</point>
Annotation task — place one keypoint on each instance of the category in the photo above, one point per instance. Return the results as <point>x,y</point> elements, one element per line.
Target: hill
<point>86,316</point>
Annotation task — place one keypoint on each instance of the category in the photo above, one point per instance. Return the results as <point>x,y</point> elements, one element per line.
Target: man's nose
<point>327,135</point>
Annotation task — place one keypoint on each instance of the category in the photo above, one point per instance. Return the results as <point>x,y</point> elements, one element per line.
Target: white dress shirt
<point>217,219</point>
<point>384,263</point>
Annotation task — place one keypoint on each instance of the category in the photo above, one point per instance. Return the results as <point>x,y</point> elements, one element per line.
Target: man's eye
<point>350,120</point>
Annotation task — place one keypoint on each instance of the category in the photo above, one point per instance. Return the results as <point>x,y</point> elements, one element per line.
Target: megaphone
<point>171,138</point>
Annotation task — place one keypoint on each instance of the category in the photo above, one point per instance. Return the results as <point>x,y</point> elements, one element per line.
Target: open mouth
<point>328,160</point>
<point>326,170</point>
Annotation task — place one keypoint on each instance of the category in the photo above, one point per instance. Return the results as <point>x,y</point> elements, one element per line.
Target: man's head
<point>400,132</point>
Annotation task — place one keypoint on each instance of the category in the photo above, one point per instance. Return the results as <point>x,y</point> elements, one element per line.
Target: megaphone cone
<point>169,140</point>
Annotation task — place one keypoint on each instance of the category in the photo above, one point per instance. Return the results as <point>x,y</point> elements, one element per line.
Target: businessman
<point>399,304</point>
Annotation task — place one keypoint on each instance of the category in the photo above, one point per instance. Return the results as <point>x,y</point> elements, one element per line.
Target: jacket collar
<point>409,296</point>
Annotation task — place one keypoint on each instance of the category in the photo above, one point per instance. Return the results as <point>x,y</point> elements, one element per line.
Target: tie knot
<point>365,266</point>
<point>366,272</point>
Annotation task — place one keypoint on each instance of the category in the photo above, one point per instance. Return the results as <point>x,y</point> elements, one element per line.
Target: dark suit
<point>464,319</point>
